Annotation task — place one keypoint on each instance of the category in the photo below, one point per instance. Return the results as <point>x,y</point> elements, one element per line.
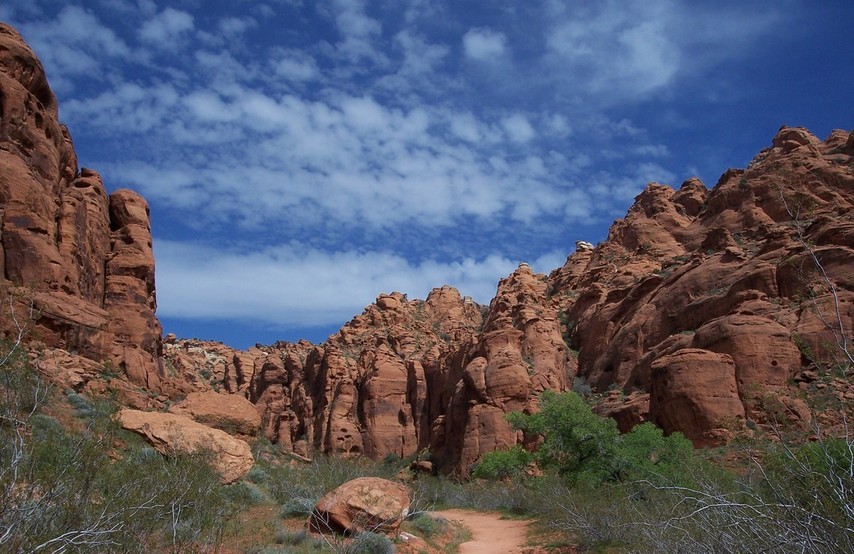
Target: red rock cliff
<point>76,263</point>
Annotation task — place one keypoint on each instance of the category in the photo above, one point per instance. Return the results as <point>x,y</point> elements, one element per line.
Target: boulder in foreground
<point>363,504</point>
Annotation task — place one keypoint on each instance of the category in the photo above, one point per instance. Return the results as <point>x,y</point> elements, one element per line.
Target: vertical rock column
<point>129,291</point>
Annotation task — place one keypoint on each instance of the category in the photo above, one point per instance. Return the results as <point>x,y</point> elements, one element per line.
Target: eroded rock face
<point>519,354</point>
<point>729,271</point>
<point>75,261</point>
<point>170,433</point>
<point>695,391</point>
<point>363,504</point>
<point>699,313</point>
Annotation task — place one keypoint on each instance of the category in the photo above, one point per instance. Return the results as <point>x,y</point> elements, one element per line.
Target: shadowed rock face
<point>698,312</point>
<point>76,263</point>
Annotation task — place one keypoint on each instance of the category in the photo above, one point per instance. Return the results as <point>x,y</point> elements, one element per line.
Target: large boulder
<point>363,504</point>
<point>694,391</point>
<point>171,433</point>
<point>231,413</point>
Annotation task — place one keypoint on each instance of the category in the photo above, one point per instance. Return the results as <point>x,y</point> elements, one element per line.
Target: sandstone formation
<point>712,300</point>
<point>363,504</point>
<point>76,265</point>
<point>170,434</point>
<point>231,413</point>
<point>700,312</point>
<point>706,311</point>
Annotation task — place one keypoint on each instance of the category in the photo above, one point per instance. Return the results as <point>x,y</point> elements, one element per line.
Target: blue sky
<point>302,157</point>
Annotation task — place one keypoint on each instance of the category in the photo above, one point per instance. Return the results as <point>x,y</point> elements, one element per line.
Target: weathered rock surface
<point>695,392</point>
<point>697,313</point>
<point>363,504</point>
<point>75,261</point>
<point>729,271</point>
<point>171,433</point>
<point>231,413</point>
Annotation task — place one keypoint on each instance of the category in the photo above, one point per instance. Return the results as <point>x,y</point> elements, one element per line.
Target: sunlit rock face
<point>76,263</point>
<point>710,301</point>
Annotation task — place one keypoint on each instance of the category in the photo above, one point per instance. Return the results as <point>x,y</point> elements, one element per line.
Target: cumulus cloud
<point>295,65</point>
<point>166,28</point>
<point>518,128</point>
<point>483,43</point>
<point>358,32</point>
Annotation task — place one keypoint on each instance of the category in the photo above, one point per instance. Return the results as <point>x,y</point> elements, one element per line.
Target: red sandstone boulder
<point>171,433</point>
<point>363,504</point>
<point>231,413</point>
<point>694,391</point>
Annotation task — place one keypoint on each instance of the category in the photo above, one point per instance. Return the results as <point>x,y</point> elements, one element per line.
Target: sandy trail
<point>490,533</point>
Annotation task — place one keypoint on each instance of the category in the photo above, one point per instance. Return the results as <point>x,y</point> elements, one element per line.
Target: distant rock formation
<point>699,313</point>
<point>76,264</point>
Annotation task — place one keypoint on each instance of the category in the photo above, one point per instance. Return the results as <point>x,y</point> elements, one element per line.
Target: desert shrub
<point>297,507</point>
<point>82,407</point>
<point>501,464</point>
<point>292,538</point>
<point>427,526</point>
<point>248,493</point>
<point>257,475</point>
<point>441,492</point>
<point>69,490</point>
<point>367,542</point>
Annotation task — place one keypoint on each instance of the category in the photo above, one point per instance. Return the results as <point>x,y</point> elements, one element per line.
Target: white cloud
<point>166,28</point>
<point>358,32</point>
<point>290,286</point>
<point>295,65</point>
<point>629,50</point>
<point>235,26</point>
<point>518,128</point>
<point>484,43</point>
<point>74,44</point>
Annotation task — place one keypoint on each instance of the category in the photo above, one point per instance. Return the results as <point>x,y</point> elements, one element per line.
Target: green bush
<point>501,464</point>
<point>588,449</point>
<point>427,526</point>
<point>298,507</point>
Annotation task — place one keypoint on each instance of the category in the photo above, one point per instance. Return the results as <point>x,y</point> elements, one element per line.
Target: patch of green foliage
<point>367,542</point>
<point>587,448</point>
<point>502,464</point>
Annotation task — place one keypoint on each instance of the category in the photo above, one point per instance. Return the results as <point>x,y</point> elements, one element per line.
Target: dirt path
<point>490,533</point>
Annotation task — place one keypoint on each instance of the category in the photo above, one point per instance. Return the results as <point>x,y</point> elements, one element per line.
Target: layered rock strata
<point>76,264</point>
